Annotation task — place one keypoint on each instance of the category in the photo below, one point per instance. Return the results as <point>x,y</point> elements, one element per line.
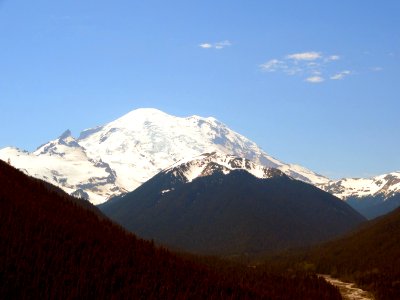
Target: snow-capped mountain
<point>386,185</point>
<point>121,155</point>
<point>149,140</point>
<point>371,196</point>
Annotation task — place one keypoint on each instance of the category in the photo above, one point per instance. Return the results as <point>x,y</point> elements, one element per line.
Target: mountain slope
<point>57,247</point>
<point>121,155</point>
<point>148,140</point>
<point>369,256</point>
<point>372,197</point>
<point>63,162</point>
<point>214,205</point>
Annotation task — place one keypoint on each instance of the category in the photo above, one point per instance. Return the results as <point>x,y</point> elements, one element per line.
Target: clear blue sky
<point>312,82</point>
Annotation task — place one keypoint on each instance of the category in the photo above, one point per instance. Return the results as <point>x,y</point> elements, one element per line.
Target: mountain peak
<point>66,134</point>
<point>138,117</point>
<point>143,113</point>
<point>68,140</point>
<point>148,116</point>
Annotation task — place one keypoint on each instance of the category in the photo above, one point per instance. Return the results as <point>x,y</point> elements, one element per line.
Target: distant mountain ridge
<point>371,196</point>
<point>386,185</point>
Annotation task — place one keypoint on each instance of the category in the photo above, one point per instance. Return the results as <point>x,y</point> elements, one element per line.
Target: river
<point>349,291</point>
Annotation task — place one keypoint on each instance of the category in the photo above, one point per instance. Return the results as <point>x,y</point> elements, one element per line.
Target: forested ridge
<point>369,256</point>
<point>54,246</point>
<point>232,214</point>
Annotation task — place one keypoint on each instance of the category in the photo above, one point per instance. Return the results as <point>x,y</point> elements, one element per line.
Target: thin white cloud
<point>223,44</point>
<point>340,75</point>
<point>293,70</point>
<point>205,46</point>
<point>316,72</point>
<point>217,45</point>
<point>272,65</point>
<point>311,66</point>
<point>315,79</point>
<point>333,57</point>
<point>304,56</point>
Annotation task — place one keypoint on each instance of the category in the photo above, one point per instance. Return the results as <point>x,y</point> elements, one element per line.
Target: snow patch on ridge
<point>208,163</point>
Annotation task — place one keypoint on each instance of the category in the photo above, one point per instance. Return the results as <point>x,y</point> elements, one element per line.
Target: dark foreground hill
<point>231,214</point>
<point>54,246</point>
<point>369,257</point>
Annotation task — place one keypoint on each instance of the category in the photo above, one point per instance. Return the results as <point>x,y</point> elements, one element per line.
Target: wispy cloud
<point>218,45</point>
<point>223,44</point>
<point>340,75</point>
<point>304,56</point>
<point>312,66</point>
<point>315,79</point>
<point>333,57</point>
<point>316,72</point>
<point>205,46</point>
<point>273,65</point>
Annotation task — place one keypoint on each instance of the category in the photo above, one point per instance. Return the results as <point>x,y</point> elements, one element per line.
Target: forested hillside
<point>369,256</point>
<point>232,214</point>
<point>57,247</point>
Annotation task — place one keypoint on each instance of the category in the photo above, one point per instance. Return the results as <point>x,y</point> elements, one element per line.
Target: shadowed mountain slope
<point>230,211</point>
<point>369,256</point>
